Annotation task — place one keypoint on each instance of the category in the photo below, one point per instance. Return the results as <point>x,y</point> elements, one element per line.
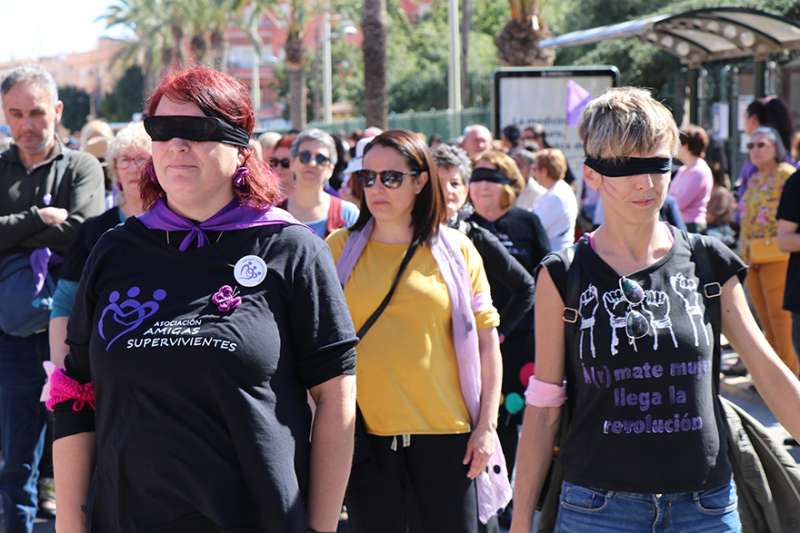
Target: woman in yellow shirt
<point>758,243</point>
<point>429,368</point>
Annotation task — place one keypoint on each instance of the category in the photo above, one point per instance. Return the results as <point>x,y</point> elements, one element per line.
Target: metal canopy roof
<point>700,35</point>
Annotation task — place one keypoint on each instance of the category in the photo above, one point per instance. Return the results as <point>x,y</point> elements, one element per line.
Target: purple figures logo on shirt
<point>121,317</point>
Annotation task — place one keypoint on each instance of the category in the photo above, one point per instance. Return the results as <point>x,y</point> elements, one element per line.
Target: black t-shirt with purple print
<point>202,419</point>
<point>644,412</point>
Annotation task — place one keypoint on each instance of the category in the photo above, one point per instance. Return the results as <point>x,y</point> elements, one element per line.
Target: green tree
<point>126,98</point>
<point>373,25</point>
<point>76,107</point>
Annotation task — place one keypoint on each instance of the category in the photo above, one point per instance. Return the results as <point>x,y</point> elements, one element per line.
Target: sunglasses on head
<point>163,128</point>
<point>636,324</point>
<point>391,179</point>
<point>274,162</point>
<point>306,157</point>
<point>759,145</point>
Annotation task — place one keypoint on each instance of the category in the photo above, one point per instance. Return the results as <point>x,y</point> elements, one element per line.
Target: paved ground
<point>737,389</point>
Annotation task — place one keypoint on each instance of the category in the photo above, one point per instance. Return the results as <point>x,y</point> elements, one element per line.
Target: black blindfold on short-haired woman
<point>192,128</point>
<point>489,174</point>
<point>629,166</point>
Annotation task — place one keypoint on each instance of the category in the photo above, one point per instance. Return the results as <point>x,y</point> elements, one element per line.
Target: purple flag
<point>577,99</point>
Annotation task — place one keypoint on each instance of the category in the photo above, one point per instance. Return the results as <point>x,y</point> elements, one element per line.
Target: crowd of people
<point>203,329</point>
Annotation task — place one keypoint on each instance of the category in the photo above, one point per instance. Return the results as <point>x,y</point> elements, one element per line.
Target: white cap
<point>357,162</point>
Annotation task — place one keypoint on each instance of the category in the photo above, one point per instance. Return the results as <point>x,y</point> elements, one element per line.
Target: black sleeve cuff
<point>69,422</point>
<point>329,363</point>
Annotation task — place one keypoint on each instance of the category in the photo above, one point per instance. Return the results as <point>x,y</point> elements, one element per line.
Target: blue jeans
<point>584,510</point>
<point>22,428</point>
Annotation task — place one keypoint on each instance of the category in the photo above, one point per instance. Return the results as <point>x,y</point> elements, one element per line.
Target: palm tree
<point>208,20</point>
<point>294,16</point>
<point>373,25</point>
<point>152,46</point>
<point>517,42</point>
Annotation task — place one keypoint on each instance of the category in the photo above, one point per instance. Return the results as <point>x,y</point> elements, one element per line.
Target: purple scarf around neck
<point>494,490</point>
<point>231,217</point>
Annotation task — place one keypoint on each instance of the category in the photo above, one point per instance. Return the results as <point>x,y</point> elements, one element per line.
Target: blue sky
<point>35,28</point>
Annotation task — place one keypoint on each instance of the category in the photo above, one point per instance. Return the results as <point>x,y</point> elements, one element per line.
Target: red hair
<point>284,142</point>
<point>222,96</point>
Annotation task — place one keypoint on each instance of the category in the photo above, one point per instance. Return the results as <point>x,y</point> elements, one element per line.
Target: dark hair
<point>772,112</point>
<point>512,133</point>
<point>779,119</point>
<point>429,209</point>
<point>757,109</point>
<point>695,138</point>
<point>222,96</point>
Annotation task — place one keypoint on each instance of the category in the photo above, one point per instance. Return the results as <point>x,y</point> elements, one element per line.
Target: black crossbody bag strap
<point>385,302</point>
<point>362,456</point>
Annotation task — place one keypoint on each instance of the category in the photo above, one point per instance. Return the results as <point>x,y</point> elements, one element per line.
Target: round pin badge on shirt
<point>250,270</point>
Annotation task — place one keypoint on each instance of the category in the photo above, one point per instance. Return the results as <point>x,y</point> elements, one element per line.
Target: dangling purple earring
<point>240,176</point>
<point>151,173</point>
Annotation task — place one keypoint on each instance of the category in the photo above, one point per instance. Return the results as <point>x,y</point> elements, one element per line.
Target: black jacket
<point>503,270</point>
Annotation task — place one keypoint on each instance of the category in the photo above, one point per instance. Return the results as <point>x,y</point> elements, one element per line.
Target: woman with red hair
<point>197,331</point>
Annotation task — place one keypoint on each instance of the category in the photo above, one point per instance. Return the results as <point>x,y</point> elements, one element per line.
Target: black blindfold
<point>165,127</point>
<point>630,166</point>
<point>489,174</point>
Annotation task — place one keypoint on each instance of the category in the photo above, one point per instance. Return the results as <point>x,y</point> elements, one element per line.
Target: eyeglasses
<point>759,145</point>
<point>125,162</point>
<point>306,157</point>
<point>636,324</point>
<point>391,179</point>
<point>274,162</point>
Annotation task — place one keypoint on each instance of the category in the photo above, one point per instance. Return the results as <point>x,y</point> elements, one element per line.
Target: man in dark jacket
<point>46,192</point>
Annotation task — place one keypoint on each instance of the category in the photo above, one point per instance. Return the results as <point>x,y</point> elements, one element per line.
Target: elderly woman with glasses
<point>428,458</point>
<point>312,163</point>
<point>633,314</point>
<point>758,241</point>
<point>129,151</point>
<point>199,329</point>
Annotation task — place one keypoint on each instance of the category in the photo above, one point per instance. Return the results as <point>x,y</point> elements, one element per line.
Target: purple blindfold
<point>630,166</point>
<point>489,174</point>
<point>162,128</point>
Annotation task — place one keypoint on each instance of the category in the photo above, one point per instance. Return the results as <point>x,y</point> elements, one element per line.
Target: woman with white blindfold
<point>633,314</point>
<point>198,331</point>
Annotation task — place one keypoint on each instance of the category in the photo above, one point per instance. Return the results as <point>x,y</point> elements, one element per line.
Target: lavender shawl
<point>493,488</point>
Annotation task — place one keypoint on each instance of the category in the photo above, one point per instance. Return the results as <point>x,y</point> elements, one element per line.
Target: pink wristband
<point>543,394</point>
<point>63,388</point>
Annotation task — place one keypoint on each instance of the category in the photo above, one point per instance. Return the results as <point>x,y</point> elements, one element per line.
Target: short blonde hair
<point>552,161</point>
<point>509,168</point>
<point>95,128</point>
<point>131,136</point>
<point>626,121</point>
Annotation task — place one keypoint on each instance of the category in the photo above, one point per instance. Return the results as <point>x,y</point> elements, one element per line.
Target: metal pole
<point>694,83</point>
<point>733,124</point>
<point>759,87</point>
<point>327,85</point>
<point>454,73</point>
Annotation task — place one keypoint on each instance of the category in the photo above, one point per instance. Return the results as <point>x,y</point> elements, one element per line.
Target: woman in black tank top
<point>633,314</point>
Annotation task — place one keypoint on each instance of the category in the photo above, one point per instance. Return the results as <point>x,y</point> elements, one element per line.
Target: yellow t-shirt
<point>407,374</point>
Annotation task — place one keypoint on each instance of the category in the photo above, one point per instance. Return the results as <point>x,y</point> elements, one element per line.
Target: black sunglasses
<point>305,157</point>
<point>274,162</point>
<point>391,179</point>
<point>636,324</point>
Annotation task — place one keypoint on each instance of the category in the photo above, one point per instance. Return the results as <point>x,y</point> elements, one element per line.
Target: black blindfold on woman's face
<point>165,127</point>
<point>630,166</point>
<point>489,174</point>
